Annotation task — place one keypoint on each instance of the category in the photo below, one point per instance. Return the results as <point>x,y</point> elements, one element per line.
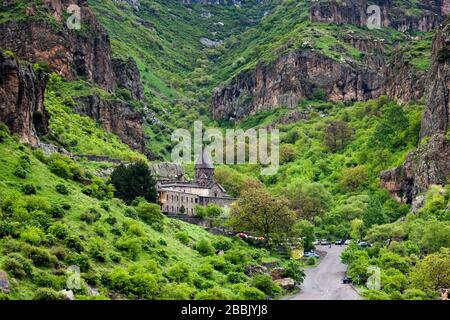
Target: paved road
<point>324,282</point>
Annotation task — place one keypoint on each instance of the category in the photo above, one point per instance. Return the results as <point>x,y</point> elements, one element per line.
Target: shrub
<point>17,266</point>
<point>4,132</point>
<point>265,283</point>
<point>62,189</point>
<point>79,259</point>
<point>99,189</point>
<point>213,210</point>
<point>56,211</point>
<point>132,246</point>
<point>44,279</point>
<point>223,244</point>
<point>20,173</point>
<point>131,213</point>
<point>145,286</point>
<point>97,249</point>
<point>48,294</point>
<point>311,261</point>
<point>214,294</point>
<point>149,212</point>
<point>236,277</point>
<point>40,257</point>
<point>176,291</point>
<point>245,292</point>
<point>183,237</point>
<point>105,206</point>
<point>90,216</point>
<point>179,273</point>
<point>74,243</point>
<point>59,230</point>
<point>35,203</point>
<point>206,271</point>
<point>204,248</point>
<point>28,189</point>
<point>200,212</point>
<point>9,228</point>
<point>61,168</point>
<point>32,235</point>
<point>294,271</point>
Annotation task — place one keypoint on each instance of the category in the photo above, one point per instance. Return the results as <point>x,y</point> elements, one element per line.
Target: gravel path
<point>324,282</point>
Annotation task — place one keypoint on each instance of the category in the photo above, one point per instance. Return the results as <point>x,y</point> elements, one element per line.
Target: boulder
<point>68,294</point>
<point>286,283</point>
<point>254,269</point>
<point>4,282</point>
<point>278,273</point>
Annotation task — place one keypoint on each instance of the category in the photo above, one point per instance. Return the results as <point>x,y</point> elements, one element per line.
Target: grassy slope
<point>163,248</point>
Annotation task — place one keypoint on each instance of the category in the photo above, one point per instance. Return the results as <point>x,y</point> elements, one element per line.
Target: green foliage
<point>134,181</point>
<point>48,294</point>
<point>204,247</point>
<point>149,213</point>
<point>99,189</point>
<point>62,189</point>
<point>265,284</point>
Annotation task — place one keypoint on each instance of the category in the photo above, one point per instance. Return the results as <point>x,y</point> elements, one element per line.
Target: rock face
<point>356,12</point>
<point>298,75</point>
<point>72,53</point>
<point>116,116</point>
<point>4,282</point>
<point>22,99</point>
<point>128,77</point>
<point>430,164</point>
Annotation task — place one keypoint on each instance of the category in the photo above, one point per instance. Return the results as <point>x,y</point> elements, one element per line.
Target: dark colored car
<point>347,280</point>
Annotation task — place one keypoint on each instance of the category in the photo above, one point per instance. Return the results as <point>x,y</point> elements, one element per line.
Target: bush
<point>214,294</point>
<point>80,260</point>
<point>213,210</point>
<point>61,169</point>
<point>32,235</point>
<point>48,294</point>
<point>174,291</point>
<point>59,229</point>
<point>62,189</point>
<point>20,173</point>
<point>132,246</point>
<point>150,213</point>
<point>4,132</point>
<point>245,292</point>
<point>99,189</point>
<point>265,283</point>
<point>44,279</point>
<point>74,243</point>
<point>17,266</point>
<point>90,216</point>
<point>131,213</point>
<point>56,211</point>
<point>236,277</point>
<point>206,271</point>
<point>28,189</point>
<point>294,271</point>
<point>145,286</point>
<point>204,248</point>
<point>40,257</point>
<point>223,244</point>
<point>183,237</point>
<point>97,249</point>
<point>179,273</point>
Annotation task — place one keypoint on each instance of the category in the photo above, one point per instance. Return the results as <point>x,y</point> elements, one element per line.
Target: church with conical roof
<point>181,196</point>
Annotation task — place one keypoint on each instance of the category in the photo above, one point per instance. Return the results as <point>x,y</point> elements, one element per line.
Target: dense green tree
<point>305,230</point>
<point>260,212</point>
<point>134,181</point>
<point>337,134</point>
<point>308,200</point>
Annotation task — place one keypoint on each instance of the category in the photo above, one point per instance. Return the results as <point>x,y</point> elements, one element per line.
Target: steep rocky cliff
<point>430,164</point>
<point>43,35</point>
<point>22,99</point>
<point>391,15</point>
<point>298,75</point>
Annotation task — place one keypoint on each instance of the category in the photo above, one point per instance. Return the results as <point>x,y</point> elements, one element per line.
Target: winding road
<point>324,282</point>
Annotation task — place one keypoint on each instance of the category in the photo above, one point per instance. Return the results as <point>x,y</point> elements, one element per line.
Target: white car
<point>348,242</point>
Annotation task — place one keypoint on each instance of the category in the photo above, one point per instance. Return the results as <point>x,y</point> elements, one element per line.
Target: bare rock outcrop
<point>72,53</point>
<point>116,116</point>
<point>22,99</point>
<point>128,77</point>
<point>430,164</point>
<point>432,13</point>
<point>295,76</point>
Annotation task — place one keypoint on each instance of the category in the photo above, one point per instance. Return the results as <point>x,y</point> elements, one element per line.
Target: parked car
<point>340,242</point>
<point>316,243</point>
<point>348,242</point>
<point>364,244</point>
<point>324,242</point>
<point>347,280</point>
<point>311,254</point>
